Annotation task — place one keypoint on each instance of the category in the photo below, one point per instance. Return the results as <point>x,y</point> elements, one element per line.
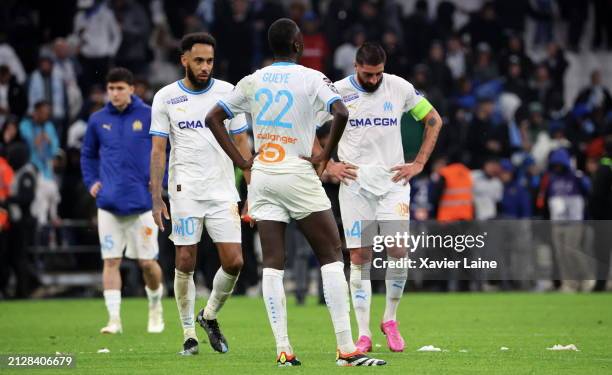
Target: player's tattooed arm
<point>214,121</point>
<point>241,141</point>
<point>158,168</point>
<point>433,124</point>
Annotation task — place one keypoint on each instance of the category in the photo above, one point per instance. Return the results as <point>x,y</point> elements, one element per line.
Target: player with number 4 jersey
<point>375,179</point>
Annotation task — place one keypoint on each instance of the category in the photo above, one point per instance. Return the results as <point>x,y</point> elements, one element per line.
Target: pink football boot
<point>364,344</point>
<point>394,338</point>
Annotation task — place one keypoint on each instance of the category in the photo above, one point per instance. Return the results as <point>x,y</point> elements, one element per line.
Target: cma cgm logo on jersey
<point>376,121</point>
<point>188,124</point>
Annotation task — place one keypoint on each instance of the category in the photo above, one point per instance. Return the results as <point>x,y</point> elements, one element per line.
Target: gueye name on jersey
<point>276,77</point>
<point>376,121</point>
<point>190,124</point>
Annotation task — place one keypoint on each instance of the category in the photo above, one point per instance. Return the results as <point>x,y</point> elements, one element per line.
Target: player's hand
<point>95,189</point>
<point>319,162</point>
<point>248,164</point>
<point>342,171</point>
<point>406,171</point>
<point>244,214</point>
<point>159,208</point>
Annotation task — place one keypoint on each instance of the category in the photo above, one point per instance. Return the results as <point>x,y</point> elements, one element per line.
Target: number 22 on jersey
<point>268,97</point>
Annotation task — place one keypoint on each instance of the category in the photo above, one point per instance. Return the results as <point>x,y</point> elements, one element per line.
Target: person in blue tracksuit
<point>115,164</point>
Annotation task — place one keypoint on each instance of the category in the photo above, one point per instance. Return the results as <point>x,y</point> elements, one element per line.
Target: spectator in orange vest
<point>452,192</point>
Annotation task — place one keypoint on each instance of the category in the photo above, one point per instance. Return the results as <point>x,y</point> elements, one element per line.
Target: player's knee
<point>185,260</point>
<point>234,266</point>
<point>147,265</point>
<point>360,256</point>
<point>112,264</point>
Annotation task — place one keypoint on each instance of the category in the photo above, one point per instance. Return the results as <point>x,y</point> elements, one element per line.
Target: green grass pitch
<point>471,327</point>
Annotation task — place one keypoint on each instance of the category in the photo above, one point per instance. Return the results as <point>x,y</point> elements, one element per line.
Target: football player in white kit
<point>376,177</point>
<point>283,100</point>
<point>201,185</point>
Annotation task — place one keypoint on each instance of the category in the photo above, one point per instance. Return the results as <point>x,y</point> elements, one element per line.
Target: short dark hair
<point>41,103</point>
<point>120,74</point>
<point>370,54</point>
<point>196,38</point>
<point>280,36</point>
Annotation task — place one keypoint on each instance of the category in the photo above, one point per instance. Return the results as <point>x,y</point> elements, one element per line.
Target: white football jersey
<point>199,168</point>
<point>372,139</point>
<point>282,100</point>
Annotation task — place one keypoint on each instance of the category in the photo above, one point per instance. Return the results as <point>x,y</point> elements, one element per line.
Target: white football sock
<point>361,293</point>
<point>395,281</point>
<point>274,299</point>
<point>112,299</point>
<point>155,296</point>
<point>223,285</point>
<point>335,290</point>
<point>185,295</point>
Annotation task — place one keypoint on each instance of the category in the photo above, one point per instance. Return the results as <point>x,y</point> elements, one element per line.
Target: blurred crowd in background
<point>497,71</point>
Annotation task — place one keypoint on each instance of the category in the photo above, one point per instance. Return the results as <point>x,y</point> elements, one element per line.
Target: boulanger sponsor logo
<point>271,137</point>
<point>271,153</point>
<point>376,121</point>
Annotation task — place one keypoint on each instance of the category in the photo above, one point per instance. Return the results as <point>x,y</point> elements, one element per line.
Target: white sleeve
<point>238,124</point>
<point>411,97</point>
<point>325,92</point>
<point>160,121</point>
<point>322,117</point>
<point>236,101</point>
<point>413,101</point>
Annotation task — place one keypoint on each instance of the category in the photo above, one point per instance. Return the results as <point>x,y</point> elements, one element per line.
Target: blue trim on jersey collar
<point>356,84</point>
<point>192,92</point>
<point>283,63</point>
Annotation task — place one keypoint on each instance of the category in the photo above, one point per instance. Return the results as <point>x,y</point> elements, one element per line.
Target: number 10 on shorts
<point>184,227</point>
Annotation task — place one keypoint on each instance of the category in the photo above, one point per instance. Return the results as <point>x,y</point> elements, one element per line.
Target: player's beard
<point>197,83</point>
<point>371,88</point>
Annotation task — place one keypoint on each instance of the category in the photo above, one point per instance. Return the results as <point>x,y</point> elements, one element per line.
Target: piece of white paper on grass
<point>429,348</point>
<point>564,347</point>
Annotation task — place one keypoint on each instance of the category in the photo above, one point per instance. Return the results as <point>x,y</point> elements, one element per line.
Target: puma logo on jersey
<point>107,126</point>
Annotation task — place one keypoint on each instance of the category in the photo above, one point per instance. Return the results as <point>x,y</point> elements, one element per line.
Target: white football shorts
<point>359,207</point>
<point>189,217</point>
<point>136,234</point>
